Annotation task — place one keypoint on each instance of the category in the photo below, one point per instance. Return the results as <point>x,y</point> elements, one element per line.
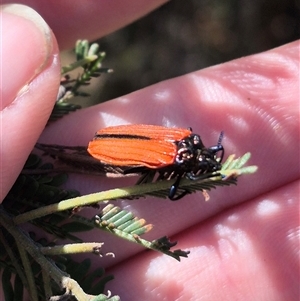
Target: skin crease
<point>244,242</point>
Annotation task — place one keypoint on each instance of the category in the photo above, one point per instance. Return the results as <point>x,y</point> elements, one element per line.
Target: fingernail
<point>25,50</point>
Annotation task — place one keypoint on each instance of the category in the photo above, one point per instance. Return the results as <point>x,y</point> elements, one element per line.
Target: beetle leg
<point>180,196</point>
<point>174,189</point>
<point>146,177</point>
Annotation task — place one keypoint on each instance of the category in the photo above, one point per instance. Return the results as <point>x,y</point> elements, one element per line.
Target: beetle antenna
<point>220,138</point>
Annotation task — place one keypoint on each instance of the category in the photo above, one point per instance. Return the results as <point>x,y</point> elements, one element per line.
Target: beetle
<point>146,149</point>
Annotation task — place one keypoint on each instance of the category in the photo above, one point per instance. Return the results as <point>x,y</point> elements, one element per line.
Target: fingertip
<point>27,45</point>
<point>30,79</point>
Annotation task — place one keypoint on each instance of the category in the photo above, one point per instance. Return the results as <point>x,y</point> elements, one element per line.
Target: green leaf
<point>79,270</point>
<point>32,161</point>
<point>59,179</point>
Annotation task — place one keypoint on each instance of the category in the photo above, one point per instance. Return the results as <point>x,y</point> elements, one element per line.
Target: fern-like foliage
<point>89,58</point>
<point>125,225</point>
<point>25,256</point>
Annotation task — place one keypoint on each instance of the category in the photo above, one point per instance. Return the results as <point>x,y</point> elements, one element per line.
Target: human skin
<point>244,242</point>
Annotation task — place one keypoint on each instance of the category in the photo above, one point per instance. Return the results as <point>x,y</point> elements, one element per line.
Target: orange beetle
<point>173,152</point>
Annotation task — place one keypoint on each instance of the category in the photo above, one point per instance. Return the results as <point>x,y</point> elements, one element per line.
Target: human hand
<point>244,241</point>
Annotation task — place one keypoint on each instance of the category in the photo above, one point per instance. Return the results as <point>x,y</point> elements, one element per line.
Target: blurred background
<point>184,36</point>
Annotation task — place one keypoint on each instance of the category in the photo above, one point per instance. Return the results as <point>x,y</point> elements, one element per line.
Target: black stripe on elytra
<point>121,136</point>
